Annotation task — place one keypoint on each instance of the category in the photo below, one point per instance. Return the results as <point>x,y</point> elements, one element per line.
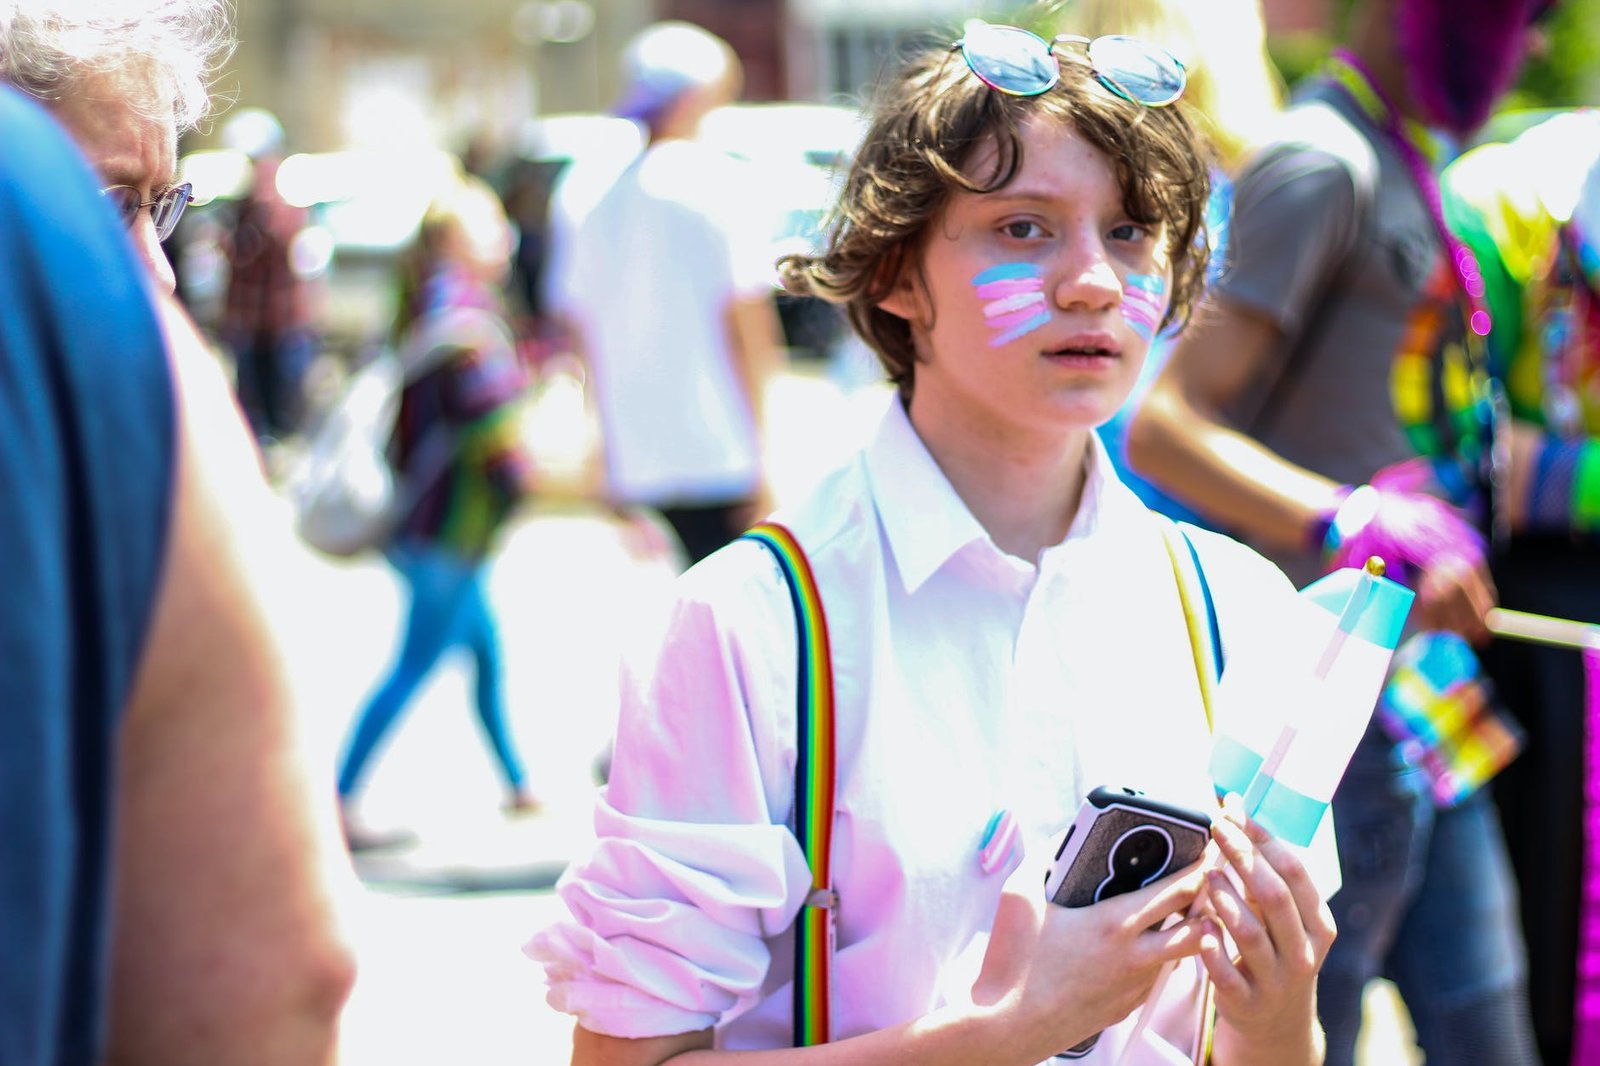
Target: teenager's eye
<point>1130,231</point>
<point>1022,229</point>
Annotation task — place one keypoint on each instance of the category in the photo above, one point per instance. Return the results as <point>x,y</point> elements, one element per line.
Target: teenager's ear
<point>906,297</point>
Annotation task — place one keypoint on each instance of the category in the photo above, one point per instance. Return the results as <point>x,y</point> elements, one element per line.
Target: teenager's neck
<point>1024,492</point>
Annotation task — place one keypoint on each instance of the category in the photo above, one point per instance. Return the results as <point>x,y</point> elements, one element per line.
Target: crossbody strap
<point>1199,613</point>
<point>814,782</point>
<point>1205,643</point>
<point>816,767</point>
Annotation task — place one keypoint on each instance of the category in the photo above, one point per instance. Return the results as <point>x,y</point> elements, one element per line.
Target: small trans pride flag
<point>1290,716</point>
<point>1436,707</point>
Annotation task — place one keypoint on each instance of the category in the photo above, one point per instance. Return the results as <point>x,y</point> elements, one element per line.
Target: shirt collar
<point>924,520</point>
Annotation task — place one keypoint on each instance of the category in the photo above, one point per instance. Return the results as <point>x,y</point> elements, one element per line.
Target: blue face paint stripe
<point>1040,319</point>
<point>1007,272</point>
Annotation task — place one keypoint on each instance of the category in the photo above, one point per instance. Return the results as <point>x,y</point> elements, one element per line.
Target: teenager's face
<point>1037,302</point>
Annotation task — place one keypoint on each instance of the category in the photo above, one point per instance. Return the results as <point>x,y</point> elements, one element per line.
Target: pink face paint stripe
<point>1013,299</point>
<point>1027,314</point>
<point>1042,318</point>
<point>1144,303</point>
<point>996,289</point>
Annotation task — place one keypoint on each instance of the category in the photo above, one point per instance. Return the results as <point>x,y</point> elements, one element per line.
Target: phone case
<point>1120,841</point>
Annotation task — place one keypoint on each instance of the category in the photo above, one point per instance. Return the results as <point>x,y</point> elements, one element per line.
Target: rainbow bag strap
<point>1205,641</point>
<point>814,779</point>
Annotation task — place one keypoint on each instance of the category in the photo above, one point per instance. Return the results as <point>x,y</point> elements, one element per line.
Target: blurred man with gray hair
<point>124,77</point>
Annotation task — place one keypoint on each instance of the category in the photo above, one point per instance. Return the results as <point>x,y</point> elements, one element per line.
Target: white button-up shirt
<point>967,681</point>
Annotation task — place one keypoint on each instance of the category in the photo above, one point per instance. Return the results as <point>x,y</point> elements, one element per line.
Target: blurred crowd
<point>1397,353</point>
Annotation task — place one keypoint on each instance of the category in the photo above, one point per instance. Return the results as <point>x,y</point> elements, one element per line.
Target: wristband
<point>1565,490</point>
<point>1404,529</point>
<point>1321,527</point>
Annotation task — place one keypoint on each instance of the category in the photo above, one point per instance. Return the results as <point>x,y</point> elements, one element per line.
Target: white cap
<point>664,61</point>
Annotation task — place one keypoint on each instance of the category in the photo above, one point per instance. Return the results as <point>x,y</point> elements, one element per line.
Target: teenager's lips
<point>1088,348</point>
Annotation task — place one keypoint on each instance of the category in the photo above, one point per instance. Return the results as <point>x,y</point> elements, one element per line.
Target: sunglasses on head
<point>1018,62</point>
<point>165,210</point>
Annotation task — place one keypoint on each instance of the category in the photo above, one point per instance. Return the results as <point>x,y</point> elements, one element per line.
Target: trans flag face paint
<point>1144,303</point>
<point>1013,300</point>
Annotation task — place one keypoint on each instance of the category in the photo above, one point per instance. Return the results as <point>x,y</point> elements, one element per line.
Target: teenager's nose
<point>1085,278</point>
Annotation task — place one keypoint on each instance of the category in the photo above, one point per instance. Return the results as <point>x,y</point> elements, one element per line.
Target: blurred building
<point>411,73</point>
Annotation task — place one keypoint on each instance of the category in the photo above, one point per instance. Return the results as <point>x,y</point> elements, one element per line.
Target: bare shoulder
<point>226,847</point>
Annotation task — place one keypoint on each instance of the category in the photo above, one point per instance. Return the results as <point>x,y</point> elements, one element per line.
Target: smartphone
<point>1120,841</point>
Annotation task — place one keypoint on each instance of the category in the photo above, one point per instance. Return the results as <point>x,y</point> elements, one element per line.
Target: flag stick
<point>1542,629</point>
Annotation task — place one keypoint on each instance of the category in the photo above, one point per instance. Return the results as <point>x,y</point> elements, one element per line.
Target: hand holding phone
<point>1120,841</point>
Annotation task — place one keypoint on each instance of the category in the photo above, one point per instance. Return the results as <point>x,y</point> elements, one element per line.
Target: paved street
<point>438,925</point>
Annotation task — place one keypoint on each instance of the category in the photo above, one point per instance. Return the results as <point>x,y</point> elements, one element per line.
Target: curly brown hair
<point>928,125</point>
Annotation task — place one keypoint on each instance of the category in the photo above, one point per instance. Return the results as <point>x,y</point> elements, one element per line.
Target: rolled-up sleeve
<point>693,869</point>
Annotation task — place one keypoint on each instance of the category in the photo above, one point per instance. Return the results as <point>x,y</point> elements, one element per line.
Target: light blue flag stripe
<point>1285,813</point>
<point>1233,766</point>
<point>1384,615</point>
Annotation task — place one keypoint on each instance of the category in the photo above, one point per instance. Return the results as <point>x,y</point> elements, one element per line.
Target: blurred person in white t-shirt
<point>666,288</point>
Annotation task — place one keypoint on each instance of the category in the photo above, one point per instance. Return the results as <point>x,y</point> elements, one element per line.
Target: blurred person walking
<point>1529,211</point>
<point>124,77</point>
<point>462,471</point>
<point>1344,342</point>
<point>667,286</point>
<point>169,868</point>
<point>267,315</point>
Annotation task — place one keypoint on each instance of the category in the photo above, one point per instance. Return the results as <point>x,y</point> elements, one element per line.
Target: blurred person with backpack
<point>460,472</point>
<point>1331,402</point>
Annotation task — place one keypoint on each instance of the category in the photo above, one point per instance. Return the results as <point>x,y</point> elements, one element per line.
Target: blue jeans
<point>1430,903</point>
<point>448,607</point>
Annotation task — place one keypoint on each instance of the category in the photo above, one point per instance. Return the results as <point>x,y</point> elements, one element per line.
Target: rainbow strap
<point>814,778</point>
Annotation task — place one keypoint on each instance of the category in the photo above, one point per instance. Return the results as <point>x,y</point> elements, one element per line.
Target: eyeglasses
<point>165,210</point>
<point>1018,62</point>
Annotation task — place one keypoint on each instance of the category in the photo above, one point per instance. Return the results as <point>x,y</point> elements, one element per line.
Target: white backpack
<point>346,496</point>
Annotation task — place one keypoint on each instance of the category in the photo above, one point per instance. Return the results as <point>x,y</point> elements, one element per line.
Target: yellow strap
<point>1189,596</point>
<point>1199,627</point>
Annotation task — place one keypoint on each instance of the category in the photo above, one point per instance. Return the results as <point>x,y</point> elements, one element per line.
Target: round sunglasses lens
<point>124,201</point>
<point>1135,69</point>
<point>1010,59</point>
<point>169,209</point>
